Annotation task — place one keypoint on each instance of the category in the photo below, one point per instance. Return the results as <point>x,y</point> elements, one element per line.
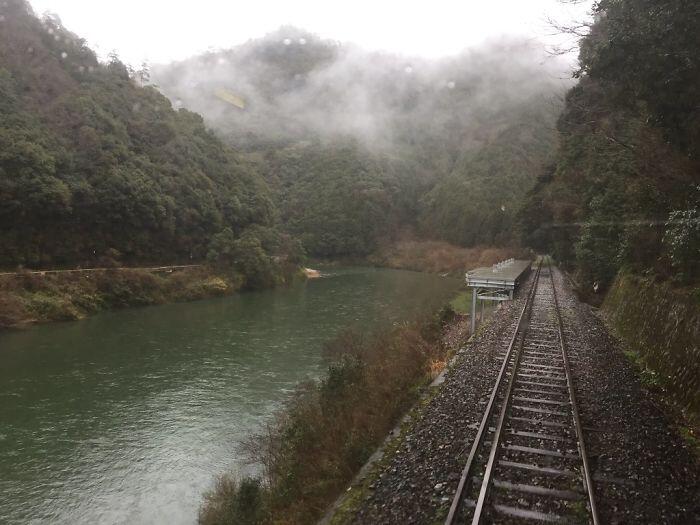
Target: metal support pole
<point>473,310</point>
<point>481,317</point>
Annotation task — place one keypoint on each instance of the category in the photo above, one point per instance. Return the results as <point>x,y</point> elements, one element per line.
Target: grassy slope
<point>28,298</point>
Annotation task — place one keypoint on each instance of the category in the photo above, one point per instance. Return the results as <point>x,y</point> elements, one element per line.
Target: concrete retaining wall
<point>662,324</point>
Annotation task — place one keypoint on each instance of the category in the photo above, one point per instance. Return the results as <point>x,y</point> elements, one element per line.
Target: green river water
<point>127,417</point>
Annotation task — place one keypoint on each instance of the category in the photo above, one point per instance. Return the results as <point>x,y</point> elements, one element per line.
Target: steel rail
<point>458,499</point>
<point>496,439</point>
<point>587,477</point>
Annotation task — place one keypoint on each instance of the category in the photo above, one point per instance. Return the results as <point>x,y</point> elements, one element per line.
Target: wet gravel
<point>643,471</point>
<point>420,480</point>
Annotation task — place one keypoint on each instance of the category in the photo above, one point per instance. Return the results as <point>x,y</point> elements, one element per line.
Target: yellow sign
<point>231,98</point>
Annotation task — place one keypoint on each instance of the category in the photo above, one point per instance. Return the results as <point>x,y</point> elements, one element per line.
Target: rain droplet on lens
<point>287,41</point>
<point>451,85</point>
<point>302,41</point>
<point>408,70</point>
<point>50,30</point>
<point>64,55</point>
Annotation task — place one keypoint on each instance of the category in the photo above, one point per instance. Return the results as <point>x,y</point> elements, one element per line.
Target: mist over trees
<point>342,149</point>
<point>360,146</point>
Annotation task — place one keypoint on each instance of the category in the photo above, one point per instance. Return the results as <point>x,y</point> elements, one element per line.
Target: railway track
<point>528,461</point>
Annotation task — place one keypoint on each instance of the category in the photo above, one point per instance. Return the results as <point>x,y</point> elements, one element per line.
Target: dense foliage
<point>622,192</point>
<point>337,199</point>
<point>477,203</point>
<point>92,164</point>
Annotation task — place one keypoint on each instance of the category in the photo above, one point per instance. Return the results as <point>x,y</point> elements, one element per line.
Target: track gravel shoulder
<point>417,484</point>
<point>643,470</point>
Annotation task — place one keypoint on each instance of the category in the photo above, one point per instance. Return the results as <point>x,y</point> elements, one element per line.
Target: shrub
<point>52,308</point>
<point>231,502</point>
<point>12,310</point>
<point>31,281</point>
<point>191,288</point>
<point>246,255</point>
<point>683,240</point>
<point>128,288</point>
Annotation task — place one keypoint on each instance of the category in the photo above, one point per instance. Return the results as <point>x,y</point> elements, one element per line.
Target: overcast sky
<point>164,30</point>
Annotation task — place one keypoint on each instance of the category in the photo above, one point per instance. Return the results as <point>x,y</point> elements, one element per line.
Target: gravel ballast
<point>644,471</point>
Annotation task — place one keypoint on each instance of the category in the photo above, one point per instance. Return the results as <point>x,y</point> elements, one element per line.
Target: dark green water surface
<point>128,416</point>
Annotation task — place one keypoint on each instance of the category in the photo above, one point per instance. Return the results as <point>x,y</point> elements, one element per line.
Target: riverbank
<point>39,297</point>
<point>330,428</point>
<point>186,382</point>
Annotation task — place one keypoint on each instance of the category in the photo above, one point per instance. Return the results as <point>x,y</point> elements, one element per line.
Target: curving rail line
<point>528,460</point>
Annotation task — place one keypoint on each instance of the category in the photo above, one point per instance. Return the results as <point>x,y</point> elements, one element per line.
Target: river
<point>127,417</point>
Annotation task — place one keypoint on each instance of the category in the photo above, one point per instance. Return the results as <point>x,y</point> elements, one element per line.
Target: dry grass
<point>439,256</point>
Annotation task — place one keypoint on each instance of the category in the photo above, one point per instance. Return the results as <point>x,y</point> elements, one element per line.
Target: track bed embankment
<point>643,471</point>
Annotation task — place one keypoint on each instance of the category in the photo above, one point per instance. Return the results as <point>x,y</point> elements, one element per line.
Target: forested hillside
<point>478,201</point>
<point>341,148</point>
<point>338,199</point>
<point>94,166</point>
<point>360,146</point>
<point>346,149</point>
<point>624,189</point>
